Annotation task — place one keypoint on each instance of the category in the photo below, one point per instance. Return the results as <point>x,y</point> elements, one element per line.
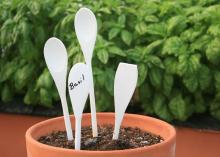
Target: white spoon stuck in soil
<point>86,30</point>
<point>125,82</point>
<point>56,59</point>
<point>78,89</point>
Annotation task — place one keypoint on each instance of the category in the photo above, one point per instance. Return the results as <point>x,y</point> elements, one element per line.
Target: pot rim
<point>172,136</point>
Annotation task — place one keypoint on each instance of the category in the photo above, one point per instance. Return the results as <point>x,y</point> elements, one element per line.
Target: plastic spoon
<point>124,86</point>
<point>86,31</point>
<point>78,89</point>
<point>56,59</point>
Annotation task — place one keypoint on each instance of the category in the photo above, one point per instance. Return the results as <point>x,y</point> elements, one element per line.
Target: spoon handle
<point>78,132</point>
<point>92,103</point>
<point>67,118</point>
<point>118,120</point>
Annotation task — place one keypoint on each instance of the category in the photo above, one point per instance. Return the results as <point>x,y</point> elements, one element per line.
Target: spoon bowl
<point>55,50</point>
<point>86,31</point>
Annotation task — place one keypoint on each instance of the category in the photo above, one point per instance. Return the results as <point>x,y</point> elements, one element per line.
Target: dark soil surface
<point>129,138</point>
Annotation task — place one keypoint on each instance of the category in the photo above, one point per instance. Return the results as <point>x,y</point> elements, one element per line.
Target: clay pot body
<point>163,149</point>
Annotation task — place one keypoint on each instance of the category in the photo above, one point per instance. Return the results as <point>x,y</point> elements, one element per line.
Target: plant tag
<point>56,59</point>
<point>78,89</point>
<point>125,82</point>
<point>86,31</point>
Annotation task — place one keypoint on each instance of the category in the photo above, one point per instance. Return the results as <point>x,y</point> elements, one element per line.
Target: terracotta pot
<point>163,149</point>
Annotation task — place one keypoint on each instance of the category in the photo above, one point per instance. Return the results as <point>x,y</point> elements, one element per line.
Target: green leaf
<point>142,74</point>
<point>151,18</point>
<point>105,10</point>
<point>6,93</point>
<point>101,79</point>
<point>176,24</point>
<point>214,30</point>
<point>191,82</point>
<point>171,65</point>
<point>24,27</point>
<point>215,107</point>
<point>190,35</point>
<point>169,8</point>
<point>152,46</point>
<point>135,54</point>
<point>201,43</point>
<point>126,37</point>
<point>97,71</point>
<point>8,70</point>
<point>213,51</point>
<point>189,64</point>
<point>109,80</point>
<point>146,97</point>
<point>145,91</point>
<point>121,19</point>
<point>150,7</point>
<point>7,36</point>
<point>45,98</point>
<point>217,80</point>
<point>104,100</point>
<point>116,50</point>
<point>56,11</point>
<point>40,36</point>
<point>204,77</point>
<point>44,81</point>
<point>160,107</point>
<point>23,76</point>
<point>197,17</point>
<point>73,50</point>
<point>155,76</point>
<point>55,94</point>
<point>215,110</point>
<point>113,33</point>
<point>66,22</point>
<point>154,60</point>
<point>193,9</point>
<point>148,108</point>
<point>205,2</point>
<point>78,58</point>
<point>31,96</point>
<point>178,108</point>
<point>34,7</point>
<point>173,46</point>
<point>27,50</point>
<point>159,29</point>
<point>141,28</point>
<point>103,56</point>
<point>168,81</point>
<point>200,105</point>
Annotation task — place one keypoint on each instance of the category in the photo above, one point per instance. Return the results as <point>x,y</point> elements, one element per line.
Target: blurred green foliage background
<point>176,45</point>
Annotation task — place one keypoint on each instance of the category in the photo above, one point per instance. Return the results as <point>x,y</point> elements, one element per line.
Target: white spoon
<point>78,89</point>
<point>86,31</point>
<point>124,86</point>
<point>56,59</point>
